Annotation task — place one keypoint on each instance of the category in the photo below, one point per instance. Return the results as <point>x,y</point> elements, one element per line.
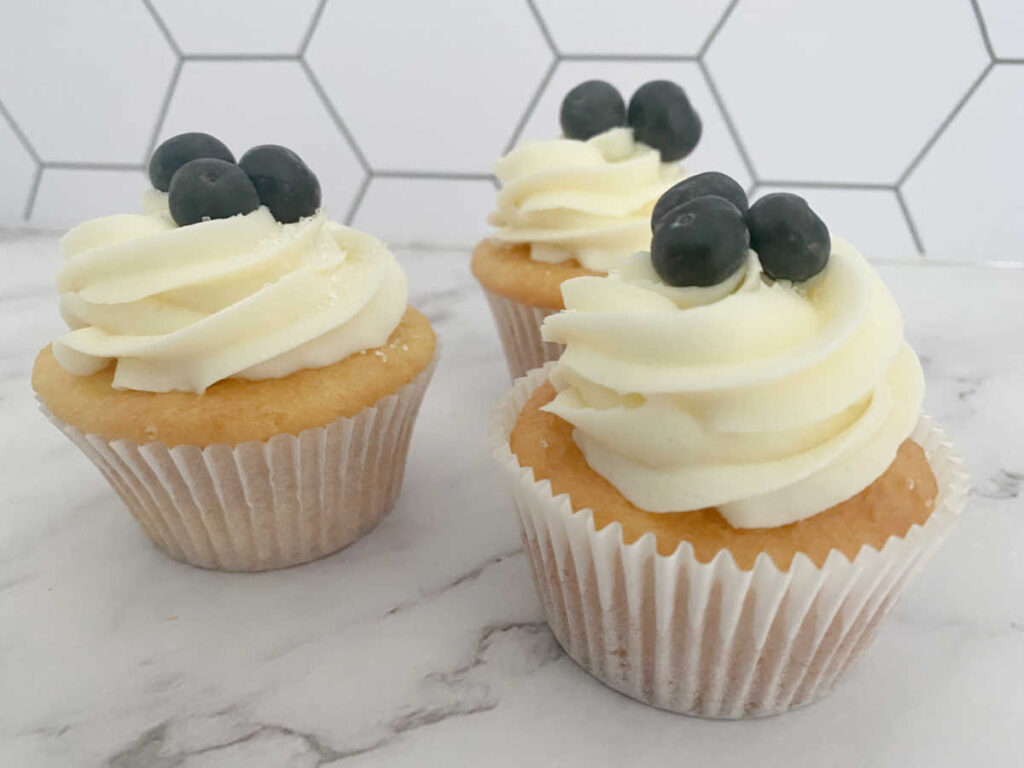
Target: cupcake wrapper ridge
<point>269,504</point>
<point>711,639</point>
<point>519,328</point>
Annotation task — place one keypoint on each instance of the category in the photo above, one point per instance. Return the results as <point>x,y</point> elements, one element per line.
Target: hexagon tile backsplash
<point>900,120</point>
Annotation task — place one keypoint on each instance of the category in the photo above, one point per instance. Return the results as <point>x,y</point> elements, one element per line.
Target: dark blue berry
<point>178,150</point>
<point>283,182</point>
<point>791,241</point>
<point>210,189</point>
<point>662,117</point>
<point>700,243</point>
<point>592,108</point>
<point>701,185</point>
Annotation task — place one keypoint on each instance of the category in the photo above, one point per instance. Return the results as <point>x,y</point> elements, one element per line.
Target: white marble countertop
<point>423,644</point>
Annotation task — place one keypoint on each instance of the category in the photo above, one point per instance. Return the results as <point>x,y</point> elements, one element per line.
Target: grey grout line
<point>1009,61</point>
<point>613,57</point>
<point>381,173</point>
<point>717,96</point>
<point>240,57</point>
<point>357,201</point>
<point>729,124</point>
<point>911,225</point>
<point>717,28</point>
<point>944,124</point>
<point>334,114</point>
<point>314,22</point>
<point>542,25</point>
<point>19,134</point>
<point>30,200</point>
<point>531,106</point>
<point>165,106</point>
<point>983,29</point>
<point>162,26</point>
<point>75,165</point>
<point>851,185</point>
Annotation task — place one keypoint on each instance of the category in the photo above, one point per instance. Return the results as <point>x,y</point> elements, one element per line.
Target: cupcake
<point>726,481</point>
<point>578,205</point>
<point>243,371</point>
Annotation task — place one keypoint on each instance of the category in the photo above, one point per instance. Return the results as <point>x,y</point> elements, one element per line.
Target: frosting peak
<point>771,401</point>
<point>589,200</point>
<point>180,308</point>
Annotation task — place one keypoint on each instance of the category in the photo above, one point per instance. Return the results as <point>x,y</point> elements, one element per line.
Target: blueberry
<point>592,108</point>
<point>178,150</point>
<point>791,241</point>
<point>210,189</point>
<point>701,185</point>
<point>662,117</point>
<point>284,183</point>
<point>700,243</point>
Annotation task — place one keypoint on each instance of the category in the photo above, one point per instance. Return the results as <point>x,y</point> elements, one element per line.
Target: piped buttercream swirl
<point>588,200</point>
<point>769,401</point>
<point>180,308</point>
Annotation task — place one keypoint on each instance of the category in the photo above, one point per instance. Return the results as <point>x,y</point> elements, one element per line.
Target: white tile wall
<point>637,27</point>
<point>1005,25</point>
<point>900,120</point>
<point>84,81</point>
<point>429,86</point>
<point>966,194</point>
<point>227,27</point>
<point>716,151</point>
<point>426,210</point>
<point>843,91</point>
<point>17,169</point>
<point>69,195</point>
<point>245,103</point>
<point>871,219</point>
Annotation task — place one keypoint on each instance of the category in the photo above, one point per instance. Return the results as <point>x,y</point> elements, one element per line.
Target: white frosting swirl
<point>769,401</point>
<point>589,200</point>
<point>179,308</point>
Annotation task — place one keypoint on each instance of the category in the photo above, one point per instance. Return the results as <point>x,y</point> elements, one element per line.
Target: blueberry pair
<point>659,113</point>
<point>203,182</point>
<point>703,229</point>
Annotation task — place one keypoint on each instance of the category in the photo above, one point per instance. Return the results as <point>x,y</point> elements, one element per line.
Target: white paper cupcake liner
<point>266,504</point>
<point>710,639</point>
<point>519,328</point>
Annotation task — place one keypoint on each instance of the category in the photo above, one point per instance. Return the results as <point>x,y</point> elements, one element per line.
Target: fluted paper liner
<point>519,328</point>
<point>266,504</point>
<point>711,639</point>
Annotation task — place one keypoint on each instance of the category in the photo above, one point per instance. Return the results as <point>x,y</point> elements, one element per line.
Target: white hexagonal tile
<point>869,219</point>
<point>266,102</point>
<point>638,27</point>
<point>430,86</point>
<point>716,150</point>
<point>68,196</point>
<point>965,194</point>
<point>237,26</point>
<point>1004,20</point>
<point>17,169</point>
<point>104,68</point>
<point>840,90</point>
<point>435,211</point>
